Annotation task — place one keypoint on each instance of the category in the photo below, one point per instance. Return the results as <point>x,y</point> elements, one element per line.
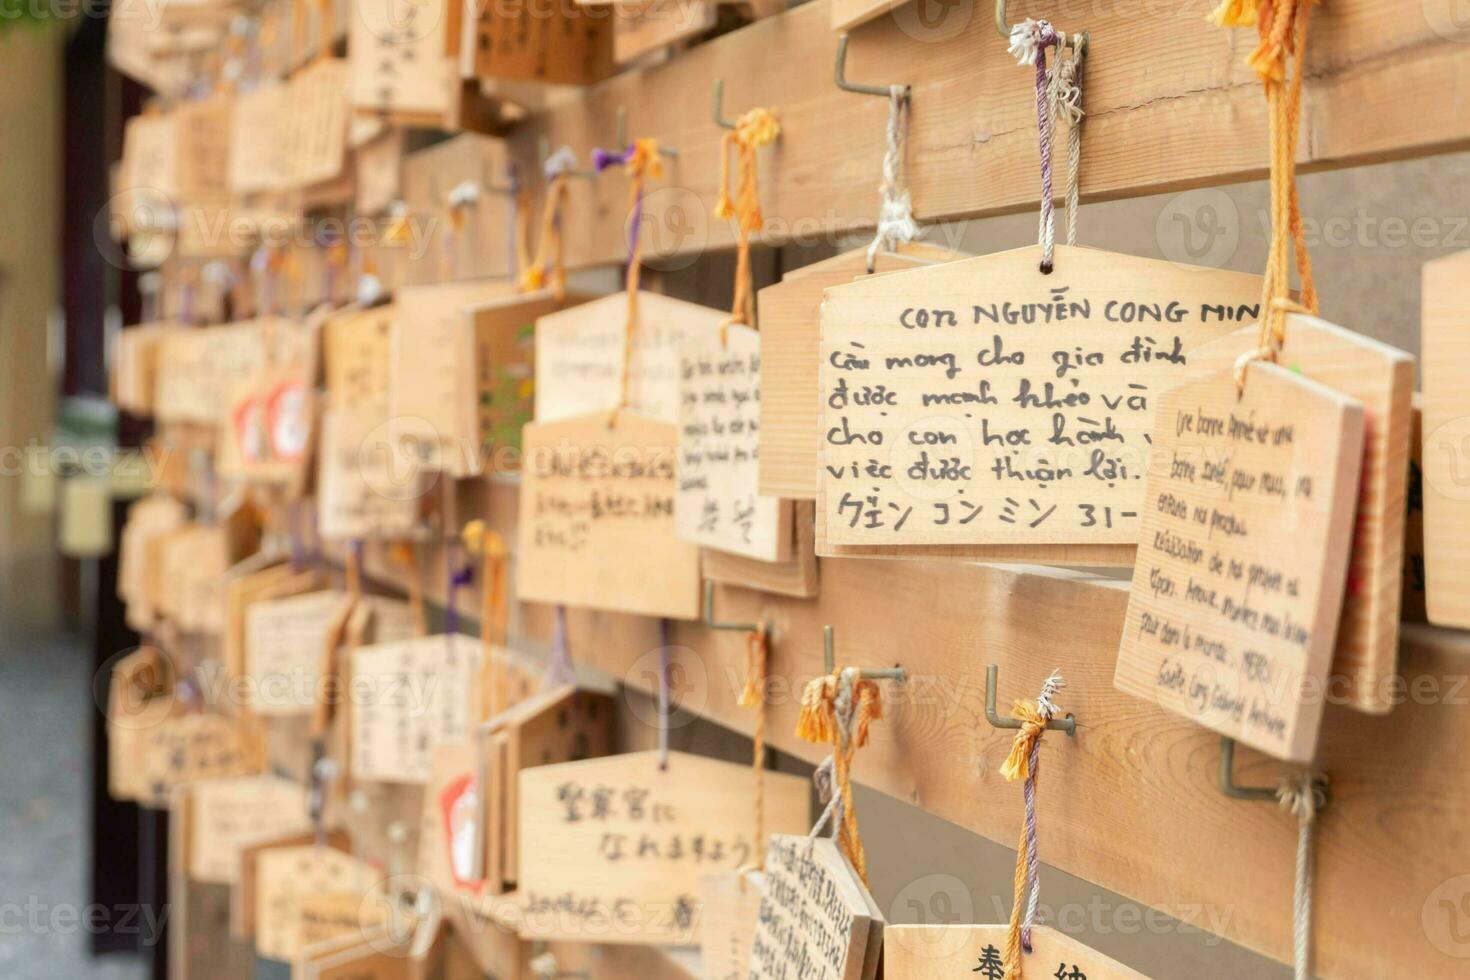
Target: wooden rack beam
<point>1170,105</point>
<point>1131,803</point>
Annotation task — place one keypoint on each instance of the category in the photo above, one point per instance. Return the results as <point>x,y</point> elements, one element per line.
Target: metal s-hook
<point>840,75</point>
<point>620,139</point>
<point>1067,724</point>
<point>829,661</point>
<point>1260,794</point>
<point>543,153</point>
<point>1227,776</point>
<point>1003,28</point>
<point>717,108</point>
<point>714,624</point>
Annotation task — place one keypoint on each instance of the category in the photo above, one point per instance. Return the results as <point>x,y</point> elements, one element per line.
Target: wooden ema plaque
<point>139,697</point>
<point>1248,514</point>
<point>504,335</point>
<point>716,502</point>
<point>791,337</point>
<point>450,856</point>
<point>397,69</point>
<point>983,410</point>
<point>314,131</point>
<point>564,724</point>
<point>307,893</point>
<point>579,355</point>
<point>247,586</point>
<point>561,45</point>
<point>931,952</point>
<point>730,911</point>
<point>368,484</point>
<point>257,164</point>
<point>816,919</point>
<point>435,386</point>
<point>357,357</point>
<point>612,849</point>
<point>797,576</point>
<point>1447,441</point>
<point>185,748</point>
<point>284,639</point>
<point>597,518</point>
<point>199,369</point>
<point>228,815</point>
<point>1382,378</point>
<point>409,696</point>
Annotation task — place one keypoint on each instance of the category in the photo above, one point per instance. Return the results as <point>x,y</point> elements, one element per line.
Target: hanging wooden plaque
<point>790,312</point>
<point>230,814</point>
<point>797,576</point>
<point>729,914</point>
<point>596,519</point>
<point>247,586</point>
<point>815,915</point>
<point>186,748</point>
<point>579,355</point>
<point>314,132</point>
<point>504,332</point>
<point>982,409</point>
<point>149,517</point>
<point>1243,554</point>
<point>357,357</point>
<point>199,369</point>
<point>450,856</point>
<point>409,696</point>
<point>929,952</point>
<point>612,849</point>
<point>563,724</point>
<point>368,484</point>
<point>562,45</point>
<point>398,71</point>
<point>139,698</point>
<point>1382,378</point>
<point>716,503</point>
<point>434,385</point>
<point>303,892</point>
<point>257,163</point>
<point>270,429</point>
<point>284,639</point>
<point>1447,441</point>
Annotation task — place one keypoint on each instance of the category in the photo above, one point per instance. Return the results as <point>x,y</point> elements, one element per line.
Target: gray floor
<point>44,804</point>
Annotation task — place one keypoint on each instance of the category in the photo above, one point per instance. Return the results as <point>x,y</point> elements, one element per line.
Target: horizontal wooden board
<point>1171,104</point>
<point>1144,778</point>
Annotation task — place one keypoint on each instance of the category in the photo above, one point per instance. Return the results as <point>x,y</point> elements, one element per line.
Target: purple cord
<point>458,578</point>
<point>601,160</point>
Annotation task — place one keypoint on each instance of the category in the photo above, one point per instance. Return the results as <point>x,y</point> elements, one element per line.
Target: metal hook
<point>718,107</point>
<point>1262,794</point>
<point>895,673</point>
<point>712,623</point>
<point>1003,27</point>
<point>1227,776</point>
<point>840,74</point>
<point>621,137</point>
<point>1067,724</point>
<point>543,153</point>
